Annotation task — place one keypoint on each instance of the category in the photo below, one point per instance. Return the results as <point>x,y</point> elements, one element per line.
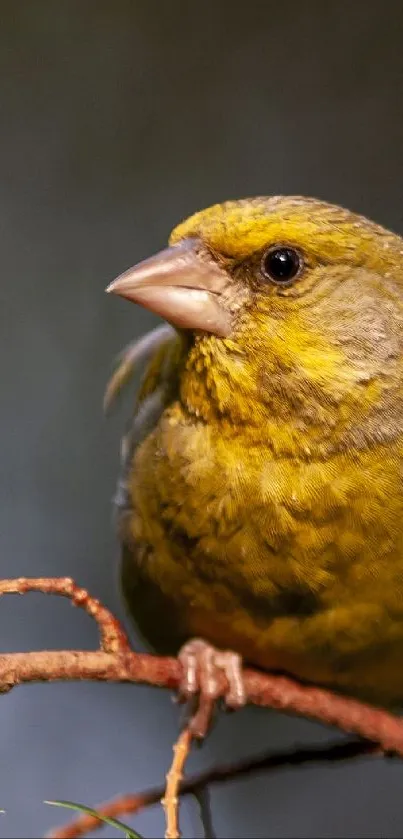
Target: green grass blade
<point>88,811</point>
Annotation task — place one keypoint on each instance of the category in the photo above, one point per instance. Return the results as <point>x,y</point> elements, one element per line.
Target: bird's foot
<point>208,675</point>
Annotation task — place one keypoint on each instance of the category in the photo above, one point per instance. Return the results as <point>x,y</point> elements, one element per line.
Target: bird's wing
<point>160,351</point>
<point>133,356</point>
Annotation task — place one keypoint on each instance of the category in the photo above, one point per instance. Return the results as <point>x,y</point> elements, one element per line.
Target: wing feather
<point>160,351</point>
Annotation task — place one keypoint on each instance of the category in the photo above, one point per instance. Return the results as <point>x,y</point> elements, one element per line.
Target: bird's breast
<point>231,526</point>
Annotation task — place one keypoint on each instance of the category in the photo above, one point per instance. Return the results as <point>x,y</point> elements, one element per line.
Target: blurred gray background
<point>117,120</point>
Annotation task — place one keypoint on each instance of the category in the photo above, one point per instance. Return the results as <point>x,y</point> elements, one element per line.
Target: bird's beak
<point>181,285</point>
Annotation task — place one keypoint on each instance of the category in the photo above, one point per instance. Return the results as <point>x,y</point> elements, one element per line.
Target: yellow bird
<point>260,504</point>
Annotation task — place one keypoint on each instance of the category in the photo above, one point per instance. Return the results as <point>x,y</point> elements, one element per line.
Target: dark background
<point>117,120</point>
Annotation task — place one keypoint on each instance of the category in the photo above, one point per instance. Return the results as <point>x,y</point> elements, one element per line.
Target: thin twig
<point>132,804</point>
<point>170,800</point>
<point>113,639</point>
<point>202,797</point>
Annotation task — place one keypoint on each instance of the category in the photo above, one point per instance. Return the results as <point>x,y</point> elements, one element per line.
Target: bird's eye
<point>281,265</point>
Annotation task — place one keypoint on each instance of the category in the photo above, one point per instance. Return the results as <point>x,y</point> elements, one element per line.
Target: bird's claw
<point>209,674</point>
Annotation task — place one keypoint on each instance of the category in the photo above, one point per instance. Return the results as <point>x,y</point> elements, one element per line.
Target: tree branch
<point>132,804</point>
<point>116,662</point>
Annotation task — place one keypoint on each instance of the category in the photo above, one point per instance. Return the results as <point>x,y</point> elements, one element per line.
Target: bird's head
<point>293,308</point>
